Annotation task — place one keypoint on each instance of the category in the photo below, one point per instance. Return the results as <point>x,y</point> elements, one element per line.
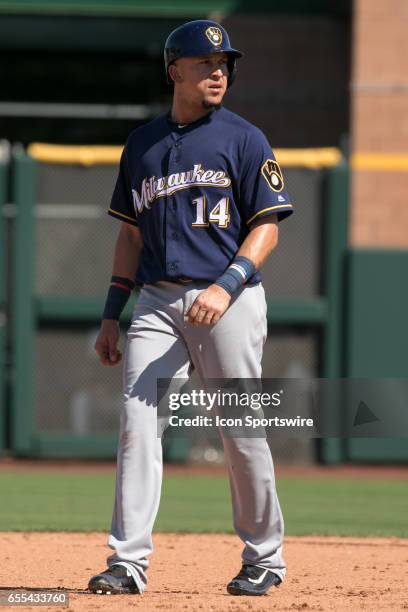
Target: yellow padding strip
<point>383,162</point>
<point>88,155</point>
<point>309,158</point>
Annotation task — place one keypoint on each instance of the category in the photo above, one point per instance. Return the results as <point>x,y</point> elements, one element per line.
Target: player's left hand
<point>209,306</point>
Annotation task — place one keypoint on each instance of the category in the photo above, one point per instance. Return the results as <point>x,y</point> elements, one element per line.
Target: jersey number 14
<point>219,214</point>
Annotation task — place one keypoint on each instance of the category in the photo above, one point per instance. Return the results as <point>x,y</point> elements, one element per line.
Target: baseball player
<point>199,194</point>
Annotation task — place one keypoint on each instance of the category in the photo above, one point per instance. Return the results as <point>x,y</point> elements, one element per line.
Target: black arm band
<point>117,297</point>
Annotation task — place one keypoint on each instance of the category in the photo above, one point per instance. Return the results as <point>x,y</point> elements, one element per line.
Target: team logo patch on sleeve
<point>214,35</point>
<point>273,175</point>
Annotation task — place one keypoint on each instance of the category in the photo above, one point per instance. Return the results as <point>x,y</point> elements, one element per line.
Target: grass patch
<point>74,502</point>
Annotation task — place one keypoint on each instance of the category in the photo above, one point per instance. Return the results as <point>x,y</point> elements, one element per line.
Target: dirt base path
<point>189,573</point>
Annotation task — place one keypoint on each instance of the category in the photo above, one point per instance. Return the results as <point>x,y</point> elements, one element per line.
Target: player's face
<point>203,79</point>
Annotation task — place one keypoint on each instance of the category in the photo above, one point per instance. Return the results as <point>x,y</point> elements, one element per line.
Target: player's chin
<point>212,101</point>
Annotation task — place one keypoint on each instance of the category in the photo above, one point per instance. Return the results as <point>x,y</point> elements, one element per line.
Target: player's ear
<point>175,74</point>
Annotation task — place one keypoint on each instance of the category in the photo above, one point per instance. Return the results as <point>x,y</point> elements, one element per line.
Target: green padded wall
<point>377,336</point>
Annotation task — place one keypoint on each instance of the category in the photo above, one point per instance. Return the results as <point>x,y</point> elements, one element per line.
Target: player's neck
<point>183,114</point>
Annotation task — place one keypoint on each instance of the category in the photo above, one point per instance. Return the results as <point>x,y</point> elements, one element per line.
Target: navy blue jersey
<point>194,191</point>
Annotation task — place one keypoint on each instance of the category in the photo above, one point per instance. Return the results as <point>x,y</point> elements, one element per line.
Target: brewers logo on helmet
<point>214,35</point>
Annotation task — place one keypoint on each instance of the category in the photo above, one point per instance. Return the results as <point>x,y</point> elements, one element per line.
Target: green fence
<point>31,310</point>
<point>4,153</point>
<point>56,303</point>
<point>377,336</point>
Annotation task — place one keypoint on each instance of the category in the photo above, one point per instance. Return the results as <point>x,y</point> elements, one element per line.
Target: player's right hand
<point>107,342</point>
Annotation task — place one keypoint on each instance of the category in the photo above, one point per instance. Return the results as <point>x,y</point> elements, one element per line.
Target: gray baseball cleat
<point>116,580</point>
<point>253,580</point>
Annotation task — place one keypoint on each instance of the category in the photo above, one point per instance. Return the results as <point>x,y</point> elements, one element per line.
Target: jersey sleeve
<point>262,186</point>
<point>121,206</point>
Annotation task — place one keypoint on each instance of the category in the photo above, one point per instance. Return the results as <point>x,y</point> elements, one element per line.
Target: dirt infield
<point>189,572</point>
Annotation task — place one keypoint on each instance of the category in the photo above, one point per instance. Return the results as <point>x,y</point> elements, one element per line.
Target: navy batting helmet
<point>200,37</point>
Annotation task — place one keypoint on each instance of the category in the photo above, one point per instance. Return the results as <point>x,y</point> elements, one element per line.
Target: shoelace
<point>250,571</point>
